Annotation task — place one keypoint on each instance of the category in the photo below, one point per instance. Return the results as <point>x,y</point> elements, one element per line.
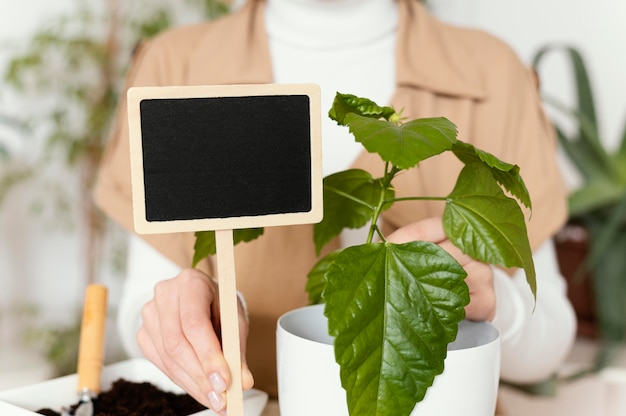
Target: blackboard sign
<point>222,158</point>
<point>225,157</point>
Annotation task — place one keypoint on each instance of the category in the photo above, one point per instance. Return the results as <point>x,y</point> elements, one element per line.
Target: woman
<point>391,52</point>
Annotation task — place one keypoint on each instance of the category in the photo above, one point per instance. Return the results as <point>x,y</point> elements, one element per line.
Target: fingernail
<point>217,382</point>
<point>216,400</point>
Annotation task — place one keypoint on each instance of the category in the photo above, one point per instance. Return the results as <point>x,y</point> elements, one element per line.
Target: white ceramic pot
<point>309,383</point>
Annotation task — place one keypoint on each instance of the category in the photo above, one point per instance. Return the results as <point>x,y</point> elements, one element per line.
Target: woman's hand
<point>482,306</point>
<point>179,335</point>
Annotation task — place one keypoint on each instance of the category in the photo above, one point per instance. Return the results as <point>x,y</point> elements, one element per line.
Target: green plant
<point>599,202</point>
<point>14,174</point>
<point>70,75</point>
<point>393,308</point>
<point>11,124</point>
<point>66,82</point>
<point>60,346</point>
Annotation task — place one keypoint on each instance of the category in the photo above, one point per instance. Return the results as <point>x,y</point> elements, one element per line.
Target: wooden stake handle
<point>229,313</point>
<point>91,347</point>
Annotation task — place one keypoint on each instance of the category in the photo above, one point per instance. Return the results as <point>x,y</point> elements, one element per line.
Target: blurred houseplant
<point>597,205</point>
<point>70,75</point>
<point>64,85</point>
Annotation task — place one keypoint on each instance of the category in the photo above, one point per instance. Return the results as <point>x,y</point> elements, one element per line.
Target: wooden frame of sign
<point>222,158</point>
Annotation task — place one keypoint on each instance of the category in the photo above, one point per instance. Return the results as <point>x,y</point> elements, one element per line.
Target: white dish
<point>58,392</point>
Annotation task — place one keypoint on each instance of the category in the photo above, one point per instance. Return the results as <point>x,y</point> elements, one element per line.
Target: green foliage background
<point>63,84</point>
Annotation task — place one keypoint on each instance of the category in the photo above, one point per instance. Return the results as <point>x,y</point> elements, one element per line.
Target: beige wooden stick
<point>224,248</point>
<point>92,332</point>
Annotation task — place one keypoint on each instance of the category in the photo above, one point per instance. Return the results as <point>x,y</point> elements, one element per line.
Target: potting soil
<point>127,398</point>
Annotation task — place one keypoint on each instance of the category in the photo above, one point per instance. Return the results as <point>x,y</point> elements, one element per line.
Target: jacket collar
<point>234,49</point>
<point>430,56</point>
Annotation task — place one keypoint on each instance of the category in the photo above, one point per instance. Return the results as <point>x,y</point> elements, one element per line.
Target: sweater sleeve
<point>535,337</point>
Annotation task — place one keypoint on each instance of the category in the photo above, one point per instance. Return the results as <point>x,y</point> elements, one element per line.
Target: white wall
<point>48,279</point>
<point>46,267</point>
<point>597,28</point>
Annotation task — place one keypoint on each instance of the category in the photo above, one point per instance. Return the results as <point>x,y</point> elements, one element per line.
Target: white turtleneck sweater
<point>345,46</point>
<point>349,46</point>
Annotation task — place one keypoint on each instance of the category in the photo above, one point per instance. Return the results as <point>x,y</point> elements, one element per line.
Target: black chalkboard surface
<point>225,157</point>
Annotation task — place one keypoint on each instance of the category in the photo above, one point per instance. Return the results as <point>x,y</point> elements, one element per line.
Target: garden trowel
<point>91,349</point>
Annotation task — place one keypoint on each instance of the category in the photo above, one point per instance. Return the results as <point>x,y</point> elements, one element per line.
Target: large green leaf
<point>586,150</point>
<point>205,242</point>
<point>316,279</point>
<point>504,173</point>
<point>582,157</point>
<point>345,104</point>
<point>350,198</point>
<point>403,145</point>
<point>621,153</point>
<point>606,232</point>
<point>608,281</point>
<point>486,224</point>
<point>595,195</point>
<point>585,101</point>
<point>392,309</point>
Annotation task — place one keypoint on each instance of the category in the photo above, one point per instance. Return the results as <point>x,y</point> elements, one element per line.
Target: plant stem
<point>390,173</point>
<point>348,196</point>
<point>416,198</point>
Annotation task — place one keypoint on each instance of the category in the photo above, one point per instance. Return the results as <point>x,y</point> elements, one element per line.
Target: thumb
<point>430,229</point>
<point>247,380</point>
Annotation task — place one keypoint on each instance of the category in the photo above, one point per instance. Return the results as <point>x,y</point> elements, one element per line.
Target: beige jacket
<point>465,75</point>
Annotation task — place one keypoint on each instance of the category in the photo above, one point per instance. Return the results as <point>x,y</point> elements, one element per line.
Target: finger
<point>177,353</point>
<point>205,342</point>
<point>462,258</point>
<point>430,229</point>
<point>197,327</point>
<point>144,339</point>
<point>149,339</point>
<point>482,306</point>
<point>247,380</point>
<point>180,379</point>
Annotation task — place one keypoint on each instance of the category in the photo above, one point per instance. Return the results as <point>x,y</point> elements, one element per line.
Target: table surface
<point>602,394</point>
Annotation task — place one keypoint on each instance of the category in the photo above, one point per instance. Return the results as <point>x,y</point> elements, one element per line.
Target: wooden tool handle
<point>91,347</point>
<point>229,315</point>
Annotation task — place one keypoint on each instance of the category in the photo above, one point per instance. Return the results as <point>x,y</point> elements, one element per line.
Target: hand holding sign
<point>223,158</point>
